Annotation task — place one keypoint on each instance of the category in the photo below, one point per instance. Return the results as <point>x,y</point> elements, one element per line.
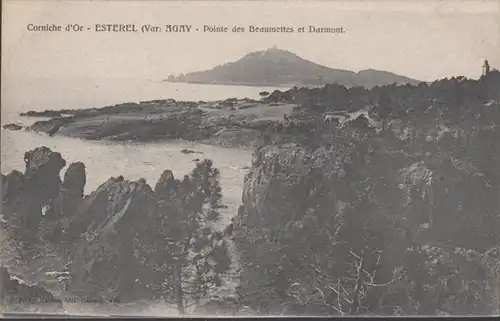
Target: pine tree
<point>202,253</point>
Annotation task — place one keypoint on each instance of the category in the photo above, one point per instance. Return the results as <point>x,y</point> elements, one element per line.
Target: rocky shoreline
<point>386,207</point>
<point>229,123</point>
<point>100,247</point>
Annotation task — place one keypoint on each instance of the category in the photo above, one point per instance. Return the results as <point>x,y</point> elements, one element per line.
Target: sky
<point>424,39</point>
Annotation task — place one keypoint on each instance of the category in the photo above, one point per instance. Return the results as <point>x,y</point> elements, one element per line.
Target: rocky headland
<point>231,123</point>
<point>359,202</point>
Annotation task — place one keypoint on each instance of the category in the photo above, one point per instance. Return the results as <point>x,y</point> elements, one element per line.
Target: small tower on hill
<point>486,68</point>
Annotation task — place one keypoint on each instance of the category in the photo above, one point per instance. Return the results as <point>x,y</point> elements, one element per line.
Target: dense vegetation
<point>392,212</point>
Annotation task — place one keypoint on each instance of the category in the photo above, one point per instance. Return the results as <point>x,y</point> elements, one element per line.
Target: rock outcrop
<point>12,126</point>
<point>30,196</point>
<point>55,227</point>
<point>231,122</point>
<point>115,244</point>
<point>104,264</point>
<point>93,234</point>
<point>71,192</point>
<point>309,219</point>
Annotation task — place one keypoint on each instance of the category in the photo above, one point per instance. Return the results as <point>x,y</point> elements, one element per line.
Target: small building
<point>486,68</point>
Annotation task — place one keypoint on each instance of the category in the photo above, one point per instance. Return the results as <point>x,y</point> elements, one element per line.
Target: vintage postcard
<point>250,158</point>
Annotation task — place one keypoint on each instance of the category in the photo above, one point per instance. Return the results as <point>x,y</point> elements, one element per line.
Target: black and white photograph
<point>250,158</point>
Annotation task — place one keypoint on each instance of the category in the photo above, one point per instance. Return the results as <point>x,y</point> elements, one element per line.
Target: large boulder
<point>66,205</point>
<point>42,180</point>
<point>74,179</point>
<point>112,219</point>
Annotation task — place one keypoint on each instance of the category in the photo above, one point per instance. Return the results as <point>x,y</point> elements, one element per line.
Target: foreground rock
<point>93,234</point>
<point>39,211</point>
<point>111,220</point>
<point>17,296</point>
<point>118,244</point>
<point>28,197</point>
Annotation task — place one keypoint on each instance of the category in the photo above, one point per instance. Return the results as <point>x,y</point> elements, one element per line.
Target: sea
<point>104,159</point>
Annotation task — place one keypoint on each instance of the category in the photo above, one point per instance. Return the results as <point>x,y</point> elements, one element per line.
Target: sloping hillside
<point>276,67</point>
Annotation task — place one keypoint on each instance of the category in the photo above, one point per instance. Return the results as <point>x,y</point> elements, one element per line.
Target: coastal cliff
<point>308,223</point>
<point>392,212</point>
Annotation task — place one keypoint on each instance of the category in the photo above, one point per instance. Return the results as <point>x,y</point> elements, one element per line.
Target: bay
<point>133,160</point>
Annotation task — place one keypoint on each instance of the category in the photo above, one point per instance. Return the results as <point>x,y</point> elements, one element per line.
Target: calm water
<point>132,160</point>
<point>106,159</point>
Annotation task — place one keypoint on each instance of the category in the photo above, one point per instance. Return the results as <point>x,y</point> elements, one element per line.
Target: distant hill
<point>277,67</point>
